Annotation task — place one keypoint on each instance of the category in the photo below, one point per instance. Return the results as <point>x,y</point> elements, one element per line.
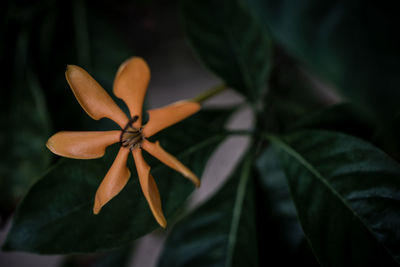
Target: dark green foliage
<point>222,231</point>
<point>319,184</point>
<point>35,98</point>
<point>346,194</point>
<point>351,44</point>
<point>231,42</point>
<point>278,229</point>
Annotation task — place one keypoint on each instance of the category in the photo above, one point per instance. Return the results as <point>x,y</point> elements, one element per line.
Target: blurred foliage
<point>350,44</point>
<point>232,43</point>
<point>318,185</point>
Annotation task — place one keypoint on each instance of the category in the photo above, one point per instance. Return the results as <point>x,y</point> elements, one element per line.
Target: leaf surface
<point>278,228</point>
<point>231,42</point>
<point>346,195</point>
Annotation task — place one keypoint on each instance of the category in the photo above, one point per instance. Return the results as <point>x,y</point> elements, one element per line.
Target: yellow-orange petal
<point>164,117</point>
<point>82,145</point>
<point>92,97</point>
<point>158,152</point>
<point>114,181</point>
<point>130,85</point>
<point>149,187</point>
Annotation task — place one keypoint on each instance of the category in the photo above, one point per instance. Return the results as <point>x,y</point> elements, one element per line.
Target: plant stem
<point>209,93</point>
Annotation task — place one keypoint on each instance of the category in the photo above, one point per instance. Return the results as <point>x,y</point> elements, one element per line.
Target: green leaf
<point>231,43</point>
<point>350,44</point>
<point>346,194</point>
<point>353,120</point>
<point>221,232</point>
<point>278,229</point>
<point>56,215</point>
<point>23,156</point>
<point>346,118</point>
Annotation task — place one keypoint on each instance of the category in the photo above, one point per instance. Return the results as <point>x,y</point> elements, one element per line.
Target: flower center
<point>130,136</point>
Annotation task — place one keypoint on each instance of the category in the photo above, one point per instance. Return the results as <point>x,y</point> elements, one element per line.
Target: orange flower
<point>130,85</point>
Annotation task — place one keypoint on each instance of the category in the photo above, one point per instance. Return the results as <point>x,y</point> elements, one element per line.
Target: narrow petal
<point>82,145</point>
<point>164,117</point>
<point>93,98</point>
<point>149,187</point>
<point>114,181</point>
<point>158,152</point>
<point>130,85</point>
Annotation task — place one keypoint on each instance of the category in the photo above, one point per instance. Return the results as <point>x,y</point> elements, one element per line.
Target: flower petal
<point>158,152</point>
<point>92,97</point>
<point>130,85</point>
<point>149,187</point>
<point>82,145</point>
<point>114,181</point>
<point>164,117</point>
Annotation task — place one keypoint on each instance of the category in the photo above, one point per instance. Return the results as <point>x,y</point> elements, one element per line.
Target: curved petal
<point>92,97</point>
<point>114,181</point>
<point>82,145</point>
<point>149,187</point>
<point>158,152</point>
<point>164,117</point>
<point>130,85</point>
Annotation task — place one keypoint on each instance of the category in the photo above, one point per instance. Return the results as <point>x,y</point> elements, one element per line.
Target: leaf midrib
<point>315,172</point>
<point>237,210</point>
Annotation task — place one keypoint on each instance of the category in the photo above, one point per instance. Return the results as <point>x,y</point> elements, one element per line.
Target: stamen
<point>131,137</point>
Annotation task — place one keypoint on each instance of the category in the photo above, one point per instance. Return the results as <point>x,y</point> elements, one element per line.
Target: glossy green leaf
<point>221,232</point>
<point>56,215</point>
<point>231,43</point>
<point>346,194</point>
<point>350,44</point>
